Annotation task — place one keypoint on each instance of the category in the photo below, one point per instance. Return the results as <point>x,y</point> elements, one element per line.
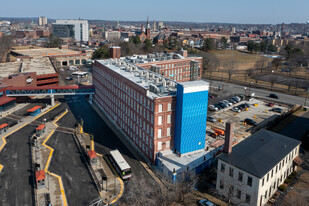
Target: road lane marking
<point>4,140</point>
<point>119,179</point>
<point>50,157</point>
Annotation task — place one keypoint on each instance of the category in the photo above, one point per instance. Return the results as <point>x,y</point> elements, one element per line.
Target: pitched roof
<point>40,175</point>
<point>3,125</point>
<point>92,154</point>
<point>4,100</point>
<point>259,153</point>
<point>34,108</point>
<point>40,127</point>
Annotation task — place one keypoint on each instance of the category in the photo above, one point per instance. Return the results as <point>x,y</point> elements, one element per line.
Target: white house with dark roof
<point>252,172</point>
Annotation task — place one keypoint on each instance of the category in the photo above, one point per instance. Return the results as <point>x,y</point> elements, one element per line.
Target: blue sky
<point>223,11</point>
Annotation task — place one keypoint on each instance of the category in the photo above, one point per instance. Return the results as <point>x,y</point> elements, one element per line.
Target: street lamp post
<point>306,97</point>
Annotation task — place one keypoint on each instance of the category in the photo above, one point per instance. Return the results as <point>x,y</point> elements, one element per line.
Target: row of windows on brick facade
<point>279,165</point>
<point>127,108</point>
<point>238,192</point>
<point>139,127</point>
<point>128,131</point>
<point>122,90</point>
<point>135,117</point>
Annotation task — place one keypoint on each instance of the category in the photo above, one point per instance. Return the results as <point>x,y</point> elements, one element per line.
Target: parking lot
<point>257,112</point>
<point>65,72</point>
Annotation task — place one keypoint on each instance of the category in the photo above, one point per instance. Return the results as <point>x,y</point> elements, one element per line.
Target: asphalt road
<point>23,111</point>
<point>17,179</point>
<point>69,164</point>
<point>142,184</point>
<point>8,121</point>
<point>230,89</point>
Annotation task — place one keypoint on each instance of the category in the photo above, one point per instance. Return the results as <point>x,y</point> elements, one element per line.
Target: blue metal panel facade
<point>190,120</point>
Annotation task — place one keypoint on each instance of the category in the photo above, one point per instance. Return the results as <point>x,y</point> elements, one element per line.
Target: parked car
<point>250,122</point>
<point>68,78</point>
<point>233,101</point>
<point>205,202</point>
<point>213,108</point>
<point>236,109</point>
<point>229,103</point>
<point>211,119</point>
<point>241,97</point>
<point>247,105</point>
<point>218,106</point>
<point>270,104</point>
<point>237,98</point>
<point>211,96</point>
<point>274,96</point>
<point>278,110</point>
<point>222,105</point>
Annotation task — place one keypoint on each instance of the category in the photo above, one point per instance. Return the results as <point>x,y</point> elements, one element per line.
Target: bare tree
<point>261,64</point>
<point>210,62</point>
<point>255,75</point>
<point>276,62</point>
<point>272,79</point>
<point>231,65</point>
<point>248,73</point>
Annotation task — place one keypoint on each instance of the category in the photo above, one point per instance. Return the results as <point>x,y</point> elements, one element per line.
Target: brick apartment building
<point>142,104</point>
<point>174,66</point>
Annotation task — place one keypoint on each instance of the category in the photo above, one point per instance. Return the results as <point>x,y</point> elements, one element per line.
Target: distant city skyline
<point>200,11</point>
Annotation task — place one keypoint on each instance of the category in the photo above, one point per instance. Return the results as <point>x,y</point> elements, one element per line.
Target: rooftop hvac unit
<point>164,83</point>
<point>163,89</point>
<point>154,88</point>
<point>157,80</point>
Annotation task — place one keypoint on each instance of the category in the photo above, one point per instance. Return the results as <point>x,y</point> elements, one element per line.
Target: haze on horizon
<point>221,11</point>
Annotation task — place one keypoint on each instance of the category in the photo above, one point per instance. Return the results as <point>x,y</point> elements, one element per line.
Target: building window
<point>169,119</point>
<point>159,145</point>
<point>267,177</point>
<point>263,181</point>
<point>272,173</point>
<point>248,198</point>
<point>222,167</point>
<point>168,144</point>
<point>231,171</point>
<point>169,107</point>
<point>238,194</point>
<point>249,182</point>
<point>159,120</point>
<point>160,107</point>
<point>168,131</point>
<point>240,175</point>
<point>221,184</point>
<point>265,194</point>
<point>159,133</point>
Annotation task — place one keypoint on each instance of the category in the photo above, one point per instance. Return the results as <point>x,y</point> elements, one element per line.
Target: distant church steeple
<point>148,29</point>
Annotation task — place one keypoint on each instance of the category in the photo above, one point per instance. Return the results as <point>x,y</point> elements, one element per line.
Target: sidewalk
<point>110,190</point>
<point>40,155</point>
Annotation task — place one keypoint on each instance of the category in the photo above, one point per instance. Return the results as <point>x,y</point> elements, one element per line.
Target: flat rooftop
<point>41,52</point>
<point>8,68</point>
<point>157,85</point>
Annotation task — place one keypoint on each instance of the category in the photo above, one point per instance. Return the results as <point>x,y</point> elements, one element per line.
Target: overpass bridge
<point>49,90</point>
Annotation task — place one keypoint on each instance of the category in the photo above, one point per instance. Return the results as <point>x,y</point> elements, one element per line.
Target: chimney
<point>228,137</point>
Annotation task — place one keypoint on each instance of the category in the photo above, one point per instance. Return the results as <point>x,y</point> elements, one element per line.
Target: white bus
<point>122,167</point>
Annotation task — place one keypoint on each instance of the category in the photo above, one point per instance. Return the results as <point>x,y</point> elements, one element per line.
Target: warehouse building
<point>143,105</point>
